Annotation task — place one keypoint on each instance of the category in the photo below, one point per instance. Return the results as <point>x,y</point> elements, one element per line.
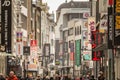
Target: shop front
<point>32,70</point>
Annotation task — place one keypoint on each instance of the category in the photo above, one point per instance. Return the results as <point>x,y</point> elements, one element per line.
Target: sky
<point>54,4</point>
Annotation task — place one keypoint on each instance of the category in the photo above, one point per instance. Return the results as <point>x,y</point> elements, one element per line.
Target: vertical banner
<point>6,22</point>
<point>91,27</point>
<point>19,43</point>
<point>92,23</point>
<point>110,2</point>
<point>116,22</point>
<point>78,52</point>
<point>71,56</point>
<point>19,36</point>
<point>33,51</point>
<point>110,28</point>
<point>19,48</point>
<point>26,50</point>
<point>71,46</point>
<point>103,23</point>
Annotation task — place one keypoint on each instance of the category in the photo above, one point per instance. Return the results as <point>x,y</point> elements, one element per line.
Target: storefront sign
<point>91,23</point>
<point>19,48</point>
<point>86,55</point>
<point>19,36</point>
<point>117,23</point>
<point>26,50</point>
<point>78,52</point>
<point>32,67</point>
<point>5,23</point>
<point>110,28</point>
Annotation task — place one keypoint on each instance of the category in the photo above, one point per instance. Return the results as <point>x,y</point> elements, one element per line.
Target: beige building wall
<point>2,64</point>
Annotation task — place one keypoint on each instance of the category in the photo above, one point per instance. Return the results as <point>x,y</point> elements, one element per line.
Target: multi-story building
<point>43,30</point>
<point>65,13</point>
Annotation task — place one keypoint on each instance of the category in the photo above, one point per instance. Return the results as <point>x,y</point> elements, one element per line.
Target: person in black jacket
<point>1,77</point>
<point>101,76</point>
<point>92,77</point>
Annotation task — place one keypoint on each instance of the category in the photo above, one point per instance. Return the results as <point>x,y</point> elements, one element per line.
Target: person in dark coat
<point>12,76</point>
<point>92,77</point>
<point>1,77</point>
<point>28,77</point>
<point>101,76</point>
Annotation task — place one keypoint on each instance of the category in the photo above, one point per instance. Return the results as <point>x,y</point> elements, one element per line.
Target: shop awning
<point>101,47</point>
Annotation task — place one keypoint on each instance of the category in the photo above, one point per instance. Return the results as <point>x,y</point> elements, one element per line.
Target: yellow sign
<point>117,6</point>
<point>117,24</point>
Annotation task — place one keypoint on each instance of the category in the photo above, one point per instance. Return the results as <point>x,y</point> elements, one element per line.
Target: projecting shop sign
<point>5,23</point>
<point>117,22</point>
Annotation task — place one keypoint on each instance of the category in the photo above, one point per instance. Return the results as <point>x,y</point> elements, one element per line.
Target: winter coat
<point>13,78</point>
<point>2,78</point>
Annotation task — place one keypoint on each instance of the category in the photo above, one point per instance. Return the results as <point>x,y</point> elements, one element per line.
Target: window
<point>77,30</point>
<point>51,42</point>
<point>52,29</point>
<point>70,31</point>
<point>80,29</point>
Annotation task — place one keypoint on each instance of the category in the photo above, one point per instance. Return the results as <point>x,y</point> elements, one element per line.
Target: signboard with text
<point>110,28</point>
<point>117,22</point>
<point>78,52</point>
<point>6,23</point>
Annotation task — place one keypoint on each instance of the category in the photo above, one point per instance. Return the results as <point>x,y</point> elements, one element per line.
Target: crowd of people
<point>12,76</point>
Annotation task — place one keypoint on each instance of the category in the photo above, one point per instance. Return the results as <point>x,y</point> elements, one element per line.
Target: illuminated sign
<point>117,6</point>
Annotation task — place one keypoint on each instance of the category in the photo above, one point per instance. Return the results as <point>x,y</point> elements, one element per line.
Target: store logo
<point>6,3</point>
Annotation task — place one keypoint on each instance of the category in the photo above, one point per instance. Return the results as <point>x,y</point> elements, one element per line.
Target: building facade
<point>68,14</point>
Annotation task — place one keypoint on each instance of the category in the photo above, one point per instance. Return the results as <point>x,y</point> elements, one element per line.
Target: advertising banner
<point>71,46</point>
<point>91,23</point>
<point>6,23</point>
<point>33,43</point>
<point>32,67</point>
<point>26,50</point>
<point>19,36</point>
<point>71,56</point>
<point>87,55</point>
<point>78,52</point>
<point>103,26</point>
<point>91,27</point>
<point>110,28</point>
<point>19,48</point>
<point>116,23</point>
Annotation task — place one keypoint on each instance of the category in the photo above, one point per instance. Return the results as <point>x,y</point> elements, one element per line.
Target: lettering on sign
<point>6,3</point>
<point>117,22</point>
<point>110,26</point>
<point>92,25</point>
<point>117,33</point>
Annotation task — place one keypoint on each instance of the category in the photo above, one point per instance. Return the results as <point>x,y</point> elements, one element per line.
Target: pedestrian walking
<point>1,77</point>
<point>101,76</point>
<point>29,77</point>
<point>12,76</point>
<point>92,77</point>
<point>39,78</point>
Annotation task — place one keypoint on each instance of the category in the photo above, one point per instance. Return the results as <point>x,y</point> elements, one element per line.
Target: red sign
<point>95,56</point>
<point>33,43</point>
<point>72,56</point>
<point>110,2</point>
